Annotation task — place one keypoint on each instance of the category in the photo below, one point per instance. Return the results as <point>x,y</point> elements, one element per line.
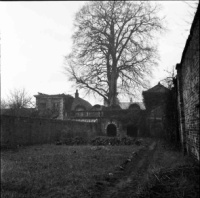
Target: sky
<point>35,37</point>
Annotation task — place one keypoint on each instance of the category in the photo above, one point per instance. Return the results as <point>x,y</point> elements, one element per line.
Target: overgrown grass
<point>57,171</point>
<point>69,171</point>
<point>170,174</point>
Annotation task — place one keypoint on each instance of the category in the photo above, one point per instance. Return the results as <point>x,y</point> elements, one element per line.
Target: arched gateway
<point>111,130</point>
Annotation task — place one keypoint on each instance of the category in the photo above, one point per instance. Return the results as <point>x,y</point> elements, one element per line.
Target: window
<point>42,105</point>
<point>55,105</point>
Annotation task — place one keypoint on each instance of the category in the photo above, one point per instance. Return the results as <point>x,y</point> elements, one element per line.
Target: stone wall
<point>188,92</point>
<point>106,122</point>
<point>29,131</point>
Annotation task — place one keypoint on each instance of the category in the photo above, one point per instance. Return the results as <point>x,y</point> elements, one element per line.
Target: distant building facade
<point>58,105</point>
<point>121,120</point>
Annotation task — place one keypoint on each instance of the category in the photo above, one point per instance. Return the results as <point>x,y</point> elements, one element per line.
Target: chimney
<point>76,94</point>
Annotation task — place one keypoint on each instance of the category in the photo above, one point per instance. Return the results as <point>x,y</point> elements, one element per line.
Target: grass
<point>57,171</point>
<point>72,171</point>
<point>170,174</point>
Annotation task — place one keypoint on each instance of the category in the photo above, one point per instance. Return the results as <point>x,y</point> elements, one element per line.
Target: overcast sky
<point>35,37</point>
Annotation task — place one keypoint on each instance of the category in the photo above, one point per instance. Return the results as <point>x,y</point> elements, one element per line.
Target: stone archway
<point>111,130</point>
<point>132,131</point>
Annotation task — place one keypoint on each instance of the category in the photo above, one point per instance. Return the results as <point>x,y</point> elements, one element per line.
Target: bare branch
<point>113,48</point>
<point>19,98</point>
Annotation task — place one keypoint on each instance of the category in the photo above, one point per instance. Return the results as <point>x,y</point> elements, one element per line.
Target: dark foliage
<point>113,141</point>
<point>182,181</point>
<point>131,117</point>
<point>153,99</point>
<point>99,141</point>
<point>171,118</point>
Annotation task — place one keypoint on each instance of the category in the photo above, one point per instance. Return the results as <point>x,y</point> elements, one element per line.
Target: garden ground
<point>150,169</point>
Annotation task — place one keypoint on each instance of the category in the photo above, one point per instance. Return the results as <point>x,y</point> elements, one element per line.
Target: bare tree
<point>4,104</point>
<point>168,81</point>
<point>19,98</point>
<point>114,47</point>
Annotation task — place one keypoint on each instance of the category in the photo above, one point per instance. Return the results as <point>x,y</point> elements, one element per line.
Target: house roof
<point>81,102</point>
<point>158,88</point>
<point>42,95</point>
<point>97,107</point>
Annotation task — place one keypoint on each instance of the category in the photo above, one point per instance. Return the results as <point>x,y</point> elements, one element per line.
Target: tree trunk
<point>113,90</point>
<point>114,76</point>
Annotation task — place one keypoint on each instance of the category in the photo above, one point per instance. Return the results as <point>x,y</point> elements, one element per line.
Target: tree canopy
<point>113,47</point>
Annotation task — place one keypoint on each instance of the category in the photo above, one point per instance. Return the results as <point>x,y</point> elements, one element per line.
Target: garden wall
<point>188,91</point>
<point>29,131</point>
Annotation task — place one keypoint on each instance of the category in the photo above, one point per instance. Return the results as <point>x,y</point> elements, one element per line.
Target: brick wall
<point>29,131</point>
<point>188,92</point>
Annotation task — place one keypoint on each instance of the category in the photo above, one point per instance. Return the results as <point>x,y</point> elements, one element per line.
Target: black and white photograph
<point>99,99</point>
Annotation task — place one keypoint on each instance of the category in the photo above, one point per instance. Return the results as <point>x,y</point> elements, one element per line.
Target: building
<point>188,92</point>
<point>113,121</point>
<point>57,106</point>
<point>121,120</point>
<point>155,100</point>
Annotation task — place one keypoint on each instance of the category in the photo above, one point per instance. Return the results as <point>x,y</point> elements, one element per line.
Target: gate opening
<point>111,130</point>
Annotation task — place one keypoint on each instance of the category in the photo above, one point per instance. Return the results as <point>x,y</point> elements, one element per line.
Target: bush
<point>104,140</point>
<point>97,141</point>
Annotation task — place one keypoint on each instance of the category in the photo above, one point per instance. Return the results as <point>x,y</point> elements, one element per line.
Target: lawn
<point>58,170</point>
